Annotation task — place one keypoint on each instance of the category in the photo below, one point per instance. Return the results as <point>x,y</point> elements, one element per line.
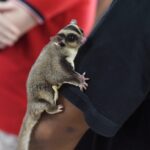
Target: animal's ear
<point>73,22</point>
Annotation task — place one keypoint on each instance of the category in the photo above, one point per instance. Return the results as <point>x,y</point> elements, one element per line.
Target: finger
<point>81,88</point>
<point>84,87</point>
<point>7,25</point>
<point>10,36</point>
<point>5,6</point>
<point>86,84</point>
<point>6,41</point>
<point>84,74</point>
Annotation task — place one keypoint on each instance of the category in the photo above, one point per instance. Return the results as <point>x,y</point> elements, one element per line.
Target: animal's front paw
<point>83,84</point>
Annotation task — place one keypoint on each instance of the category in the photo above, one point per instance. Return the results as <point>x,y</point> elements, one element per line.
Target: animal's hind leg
<point>48,98</point>
<point>55,110</point>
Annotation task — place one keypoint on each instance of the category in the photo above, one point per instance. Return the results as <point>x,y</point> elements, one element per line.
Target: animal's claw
<point>83,84</point>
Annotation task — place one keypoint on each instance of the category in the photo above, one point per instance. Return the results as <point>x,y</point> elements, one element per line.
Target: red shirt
<point>15,62</point>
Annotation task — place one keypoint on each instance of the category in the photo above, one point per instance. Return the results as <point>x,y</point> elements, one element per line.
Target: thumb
<point>5,6</point>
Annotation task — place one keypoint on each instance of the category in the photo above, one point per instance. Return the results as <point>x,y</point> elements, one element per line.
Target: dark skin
<point>102,7</point>
<point>63,131</point>
<point>60,131</point>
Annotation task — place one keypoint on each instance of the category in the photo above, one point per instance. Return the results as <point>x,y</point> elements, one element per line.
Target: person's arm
<point>61,131</point>
<point>116,59</point>
<point>102,7</point>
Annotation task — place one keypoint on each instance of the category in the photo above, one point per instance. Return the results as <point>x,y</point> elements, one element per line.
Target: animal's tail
<point>25,132</point>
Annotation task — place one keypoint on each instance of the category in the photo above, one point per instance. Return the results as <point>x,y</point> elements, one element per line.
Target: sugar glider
<point>53,67</point>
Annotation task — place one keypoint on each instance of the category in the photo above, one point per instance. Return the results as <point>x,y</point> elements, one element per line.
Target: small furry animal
<point>54,67</point>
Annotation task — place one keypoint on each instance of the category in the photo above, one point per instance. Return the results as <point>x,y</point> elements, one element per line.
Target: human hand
<point>17,22</point>
<point>9,33</point>
<point>21,17</point>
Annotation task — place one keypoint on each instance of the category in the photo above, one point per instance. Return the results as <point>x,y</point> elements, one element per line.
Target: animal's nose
<point>62,43</point>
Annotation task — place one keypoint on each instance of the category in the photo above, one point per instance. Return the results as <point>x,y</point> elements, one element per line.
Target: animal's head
<point>71,36</point>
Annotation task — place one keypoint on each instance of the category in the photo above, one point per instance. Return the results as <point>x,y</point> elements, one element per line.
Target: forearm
<point>61,131</point>
<point>102,8</point>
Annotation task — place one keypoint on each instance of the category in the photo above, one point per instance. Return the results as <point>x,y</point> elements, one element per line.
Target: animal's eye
<point>71,37</point>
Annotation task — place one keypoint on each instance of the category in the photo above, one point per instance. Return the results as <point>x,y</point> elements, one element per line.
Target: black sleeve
<point>115,59</point>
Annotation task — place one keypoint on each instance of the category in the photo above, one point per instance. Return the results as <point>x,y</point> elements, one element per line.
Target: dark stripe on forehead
<point>73,28</point>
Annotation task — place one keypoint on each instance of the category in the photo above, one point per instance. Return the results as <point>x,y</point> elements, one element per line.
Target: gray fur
<point>53,68</point>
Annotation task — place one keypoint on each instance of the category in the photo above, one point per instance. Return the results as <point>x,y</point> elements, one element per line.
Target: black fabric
<point>116,57</point>
<point>133,135</point>
<point>88,142</point>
